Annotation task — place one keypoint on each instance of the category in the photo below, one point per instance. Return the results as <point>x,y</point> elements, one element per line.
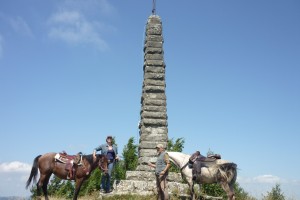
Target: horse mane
<point>89,158</point>
<point>179,155</point>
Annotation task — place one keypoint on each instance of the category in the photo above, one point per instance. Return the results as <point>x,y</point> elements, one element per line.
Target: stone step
<point>147,187</point>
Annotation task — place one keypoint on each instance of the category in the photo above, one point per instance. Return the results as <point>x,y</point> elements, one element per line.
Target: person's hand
<point>162,173</point>
<point>117,158</point>
<point>150,164</point>
<point>94,155</point>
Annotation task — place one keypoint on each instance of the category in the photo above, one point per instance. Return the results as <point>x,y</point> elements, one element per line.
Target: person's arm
<point>97,149</point>
<point>151,165</point>
<point>166,169</point>
<point>116,152</point>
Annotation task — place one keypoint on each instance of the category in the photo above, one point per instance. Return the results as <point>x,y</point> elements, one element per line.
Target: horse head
<point>102,162</point>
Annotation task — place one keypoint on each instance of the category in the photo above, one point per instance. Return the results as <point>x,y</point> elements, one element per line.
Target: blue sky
<point>71,73</point>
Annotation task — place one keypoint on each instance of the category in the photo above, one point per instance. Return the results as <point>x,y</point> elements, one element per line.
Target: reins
<point>184,166</point>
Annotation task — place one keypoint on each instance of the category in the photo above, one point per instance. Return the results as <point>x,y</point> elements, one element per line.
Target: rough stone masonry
<point>153,124</point>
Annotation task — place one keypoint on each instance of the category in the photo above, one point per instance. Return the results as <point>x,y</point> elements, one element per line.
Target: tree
<point>92,183</point>
<point>54,185</point>
<point>240,193</point>
<point>177,146</point>
<point>275,194</point>
<point>129,163</point>
<point>130,155</point>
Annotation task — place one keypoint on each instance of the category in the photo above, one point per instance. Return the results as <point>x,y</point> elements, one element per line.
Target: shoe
<point>109,191</point>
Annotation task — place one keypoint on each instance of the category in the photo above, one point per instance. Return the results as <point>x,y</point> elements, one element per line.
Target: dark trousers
<point>162,187</point>
<point>106,178</point>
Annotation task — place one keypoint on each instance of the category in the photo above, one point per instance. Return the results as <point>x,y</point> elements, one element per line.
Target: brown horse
<point>47,165</point>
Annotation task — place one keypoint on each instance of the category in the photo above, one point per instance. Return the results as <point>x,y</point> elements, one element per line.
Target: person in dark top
<point>111,151</point>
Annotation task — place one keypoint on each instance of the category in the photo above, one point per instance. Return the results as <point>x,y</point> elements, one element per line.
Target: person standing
<point>161,172</point>
<point>111,151</point>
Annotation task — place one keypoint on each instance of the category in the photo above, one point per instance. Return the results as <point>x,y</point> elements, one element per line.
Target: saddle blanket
<point>65,158</point>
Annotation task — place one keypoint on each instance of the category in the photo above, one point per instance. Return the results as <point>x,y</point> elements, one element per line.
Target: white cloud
<point>20,26</point>
<point>270,179</point>
<point>73,28</point>
<point>15,166</point>
<point>267,179</point>
<point>260,185</point>
<point>79,24</point>
<point>90,7</point>
<point>14,175</point>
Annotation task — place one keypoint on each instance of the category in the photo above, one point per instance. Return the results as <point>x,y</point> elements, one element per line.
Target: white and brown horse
<point>222,172</point>
<point>47,165</point>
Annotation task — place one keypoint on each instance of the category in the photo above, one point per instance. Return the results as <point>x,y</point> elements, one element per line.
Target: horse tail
<point>229,172</point>
<point>34,171</point>
<point>233,177</point>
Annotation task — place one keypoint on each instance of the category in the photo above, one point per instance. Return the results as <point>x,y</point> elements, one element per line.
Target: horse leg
<point>38,191</point>
<point>232,190</point>
<point>39,185</point>
<point>229,191</point>
<point>45,184</point>
<point>191,184</point>
<point>79,182</point>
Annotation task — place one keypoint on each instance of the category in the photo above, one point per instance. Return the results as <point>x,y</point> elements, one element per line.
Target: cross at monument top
<point>154,7</point>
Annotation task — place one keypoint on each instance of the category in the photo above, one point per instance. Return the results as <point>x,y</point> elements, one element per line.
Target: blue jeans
<point>105,180</point>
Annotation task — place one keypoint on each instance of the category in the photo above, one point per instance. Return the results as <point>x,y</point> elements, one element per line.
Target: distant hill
<point>14,198</point>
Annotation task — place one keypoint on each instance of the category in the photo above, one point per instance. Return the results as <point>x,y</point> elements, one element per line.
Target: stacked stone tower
<point>153,124</point>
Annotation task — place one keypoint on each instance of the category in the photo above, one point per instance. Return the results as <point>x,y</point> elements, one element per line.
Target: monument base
<point>144,183</point>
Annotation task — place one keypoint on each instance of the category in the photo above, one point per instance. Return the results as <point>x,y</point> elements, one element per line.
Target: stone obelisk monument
<point>153,124</point>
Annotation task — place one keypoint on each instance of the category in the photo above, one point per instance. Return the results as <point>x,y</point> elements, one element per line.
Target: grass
<point>95,196</point>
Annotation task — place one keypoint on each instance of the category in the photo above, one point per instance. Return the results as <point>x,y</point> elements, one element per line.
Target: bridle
<point>100,165</point>
<point>184,166</point>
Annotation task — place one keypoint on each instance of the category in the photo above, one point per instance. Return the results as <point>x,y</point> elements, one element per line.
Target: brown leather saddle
<point>70,160</point>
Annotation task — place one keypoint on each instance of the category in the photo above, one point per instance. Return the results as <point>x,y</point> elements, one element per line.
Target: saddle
<point>206,161</point>
<point>70,160</point>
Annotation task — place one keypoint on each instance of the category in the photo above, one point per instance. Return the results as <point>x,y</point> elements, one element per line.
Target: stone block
<point>155,76</point>
<point>154,57</point>
<point>153,137</point>
<point>154,19</point>
<point>154,115</point>
<point>154,69</point>
<point>151,102</point>
<point>143,167</point>
<point>151,50</point>
<point>140,175</point>
<point>153,44</point>
<point>151,144</point>
<point>146,160</point>
<point>155,38</point>
<point>159,96</point>
<point>158,63</point>
<point>141,187</point>
<point>154,82</point>
<point>154,89</point>
<point>154,131</point>
<point>153,29</point>
<point>147,153</point>
<point>154,108</point>
<point>154,122</point>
